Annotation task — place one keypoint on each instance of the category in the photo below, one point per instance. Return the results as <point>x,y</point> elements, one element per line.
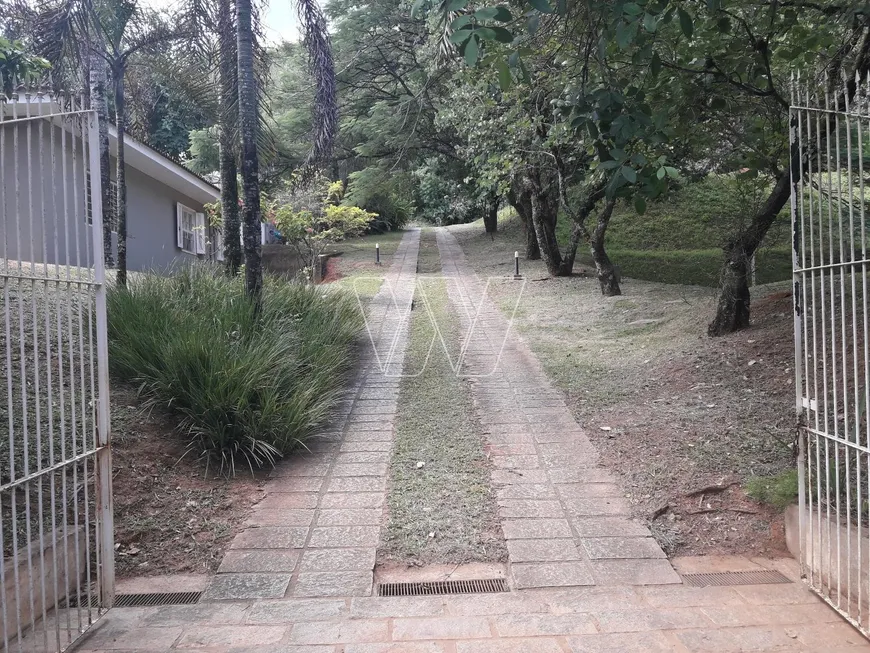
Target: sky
<point>280,19</point>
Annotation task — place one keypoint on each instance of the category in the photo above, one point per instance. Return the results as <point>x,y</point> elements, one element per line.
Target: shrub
<point>382,192</point>
<point>248,386</point>
<point>779,491</point>
<point>695,267</point>
<point>320,221</point>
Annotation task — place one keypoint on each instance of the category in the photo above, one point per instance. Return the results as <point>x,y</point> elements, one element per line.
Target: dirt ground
<point>671,410</point>
<point>169,516</point>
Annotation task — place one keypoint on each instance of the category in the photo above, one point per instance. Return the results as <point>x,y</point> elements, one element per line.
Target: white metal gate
<point>57,567</point>
<point>829,141</point>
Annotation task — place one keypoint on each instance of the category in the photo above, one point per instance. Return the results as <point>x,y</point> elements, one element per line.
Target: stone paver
<point>550,486</point>
<point>316,530</point>
<point>596,619</point>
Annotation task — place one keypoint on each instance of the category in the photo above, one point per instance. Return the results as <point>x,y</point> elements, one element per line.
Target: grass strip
<point>443,511</point>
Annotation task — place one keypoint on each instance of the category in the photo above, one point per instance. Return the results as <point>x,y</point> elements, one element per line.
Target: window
<point>218,245</point>
<point>190,227</point>
<point>111,217</point>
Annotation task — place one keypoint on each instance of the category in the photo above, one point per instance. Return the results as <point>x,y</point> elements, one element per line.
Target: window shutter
<point>200,233</point>
<point>179,226</point>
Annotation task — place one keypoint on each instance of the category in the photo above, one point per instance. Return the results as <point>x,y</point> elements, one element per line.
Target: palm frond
<point>316,40</point>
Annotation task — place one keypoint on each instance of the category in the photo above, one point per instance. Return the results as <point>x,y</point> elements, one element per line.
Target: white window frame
<point>113,204</point>
<point>218,245</point>
<point>196,232</point>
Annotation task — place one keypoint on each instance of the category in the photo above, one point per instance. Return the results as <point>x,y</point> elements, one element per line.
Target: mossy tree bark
<point>249,124</point>
<point>603,265</point>
<point>228,147</point>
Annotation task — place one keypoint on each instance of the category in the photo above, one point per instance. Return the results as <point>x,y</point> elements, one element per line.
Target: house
<point>46,186</point>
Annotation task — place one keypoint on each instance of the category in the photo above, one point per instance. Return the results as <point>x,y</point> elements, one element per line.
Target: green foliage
<point>387,195</point>
<point>779,491</point>
<point>17,65</point>
<point>312,233</point>
<point>248,385</point>
<point>204,151</point>
<point>442,196</point>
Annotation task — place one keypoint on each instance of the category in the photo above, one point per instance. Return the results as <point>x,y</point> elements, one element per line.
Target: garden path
<point>299,578</point>
<point>564,517</point>
<point>316,531</point>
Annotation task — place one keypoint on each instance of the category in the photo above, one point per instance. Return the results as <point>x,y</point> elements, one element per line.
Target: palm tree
<point>228,121</point>
<point>63,33</point>
<point>92,40</point>
<point>126,31</point>
<point>248,125</point>
<point>316,40</point>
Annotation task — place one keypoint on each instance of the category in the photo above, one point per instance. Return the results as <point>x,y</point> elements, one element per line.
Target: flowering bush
<point>312,228</point>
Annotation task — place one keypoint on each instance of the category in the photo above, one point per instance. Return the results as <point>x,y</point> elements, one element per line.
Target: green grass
<point>695,267</point>
<point>356,262</point>
<point>694,216</point>
<point>450,496</point>
<point>247,387</point>
<point>679,238</point>
<point>779,491</point>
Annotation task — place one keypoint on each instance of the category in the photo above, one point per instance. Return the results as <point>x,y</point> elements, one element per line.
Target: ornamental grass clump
<point>248,386</point>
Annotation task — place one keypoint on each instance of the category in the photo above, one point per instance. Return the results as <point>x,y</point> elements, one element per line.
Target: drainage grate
<point>766,577</point>
<point>485,586</point>
<point>143,600</point>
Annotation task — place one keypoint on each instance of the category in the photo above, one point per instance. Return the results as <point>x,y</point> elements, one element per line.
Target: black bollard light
<point>516,265</point>
<point>377,253</point>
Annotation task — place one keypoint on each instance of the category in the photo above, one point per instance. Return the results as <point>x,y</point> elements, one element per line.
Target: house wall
<point>151,229</point>
<point>52,225</point>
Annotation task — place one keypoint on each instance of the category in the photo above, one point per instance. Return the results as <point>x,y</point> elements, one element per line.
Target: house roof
<point>162,168</point>
<point>137,155</point>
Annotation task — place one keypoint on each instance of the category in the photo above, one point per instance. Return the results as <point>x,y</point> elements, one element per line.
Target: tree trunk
<point>578,228</point>
<point>732,311</point>
<point>120,175</point>
<point>603,265</point>
<point>544,221</point>
<point>519,199</point>
<point>249,124</point>
<point>228,150</point>
<point>100,104</point>
<point>490,215</point>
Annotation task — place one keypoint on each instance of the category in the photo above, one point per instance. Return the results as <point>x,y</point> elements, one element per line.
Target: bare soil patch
<point>684,419</point>
<point>169,516</point>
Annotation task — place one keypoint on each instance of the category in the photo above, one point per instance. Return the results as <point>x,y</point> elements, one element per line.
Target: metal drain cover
<point>763,577</point>
<point>432,588</point>
<point>141,600</point>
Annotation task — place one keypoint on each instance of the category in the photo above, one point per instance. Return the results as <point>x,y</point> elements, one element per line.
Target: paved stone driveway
<point>585,576</point>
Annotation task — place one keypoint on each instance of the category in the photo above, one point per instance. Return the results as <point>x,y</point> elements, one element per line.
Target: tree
<point>228,124</point>
<point>126,31</point>
<point>314,219</point>
<point>249,125</point>
<point>17,65</point>
<point>650,64</point>
<point>86,41</point>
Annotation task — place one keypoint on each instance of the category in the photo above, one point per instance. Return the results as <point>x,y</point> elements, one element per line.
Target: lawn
<point>684,411</point>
